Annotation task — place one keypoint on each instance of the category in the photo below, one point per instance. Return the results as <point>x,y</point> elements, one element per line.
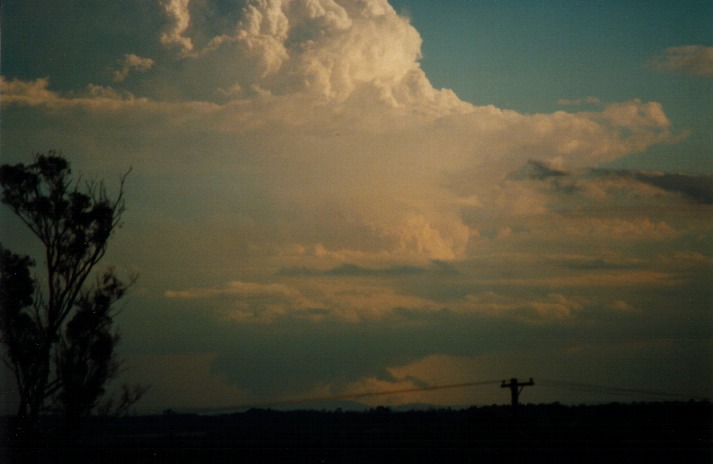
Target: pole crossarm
<point>515,389</point>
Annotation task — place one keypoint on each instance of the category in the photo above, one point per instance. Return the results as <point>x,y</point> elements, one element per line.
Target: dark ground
<point>675,432</point>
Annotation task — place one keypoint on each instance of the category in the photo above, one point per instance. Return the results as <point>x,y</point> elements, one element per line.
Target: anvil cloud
<point>310,215</point>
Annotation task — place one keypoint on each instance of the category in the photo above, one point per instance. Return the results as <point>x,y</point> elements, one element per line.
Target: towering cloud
<point>177,11</point>
<point>324,48</point>
<point>296,172</point>
<point>322,108</point>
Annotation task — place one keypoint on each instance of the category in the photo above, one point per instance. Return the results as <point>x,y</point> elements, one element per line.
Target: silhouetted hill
<point>328,405</point>
<point>612,433</point>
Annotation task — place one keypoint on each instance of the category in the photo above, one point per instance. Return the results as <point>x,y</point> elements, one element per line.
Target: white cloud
<point>235,288</point>
<point>332,50</point>
<point>26,92</point>
<point>178,11</point>
<point>364,298</point>
<point>636,116</point>
<point>616,229</point>
<point>361,179</point>
<point>551,308</point>
<point>623,306</point>
<point>694,60</point>
<point>131,62</point>
<point>37,93</point>
<point>307,299</point>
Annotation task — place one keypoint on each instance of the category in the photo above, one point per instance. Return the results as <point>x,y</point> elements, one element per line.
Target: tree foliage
<point>59,336</point>
<point>21,331</point>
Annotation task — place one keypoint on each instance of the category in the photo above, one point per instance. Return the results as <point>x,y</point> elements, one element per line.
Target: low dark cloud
<point>698,188</point>
<point>537,170</point>
<point>308,356</point>
<point>595,264</point>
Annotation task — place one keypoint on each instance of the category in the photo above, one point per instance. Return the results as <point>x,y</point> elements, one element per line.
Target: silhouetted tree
<point>119,404</point>
<point>59,336</point>
<point>85,355</point>
<point>21,330</point>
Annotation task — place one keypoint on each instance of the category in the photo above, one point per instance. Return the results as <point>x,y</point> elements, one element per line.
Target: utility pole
<point>515,390</point>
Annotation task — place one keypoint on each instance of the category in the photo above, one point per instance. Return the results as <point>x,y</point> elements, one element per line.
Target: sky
<point>335,197</point>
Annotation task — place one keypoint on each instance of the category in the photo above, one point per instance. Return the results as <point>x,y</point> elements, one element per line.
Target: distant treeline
<point>637,432</point>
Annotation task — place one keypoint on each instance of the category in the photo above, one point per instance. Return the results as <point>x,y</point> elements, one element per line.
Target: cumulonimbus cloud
<point>305,192</point>
<point>333,147</point>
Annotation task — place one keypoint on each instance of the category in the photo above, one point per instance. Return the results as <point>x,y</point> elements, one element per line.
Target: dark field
<point>675,432</point>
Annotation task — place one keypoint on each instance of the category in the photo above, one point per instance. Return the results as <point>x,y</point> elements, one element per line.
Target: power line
<point>611,390</point>
<point>550,383</point>
<point>351,396</point>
